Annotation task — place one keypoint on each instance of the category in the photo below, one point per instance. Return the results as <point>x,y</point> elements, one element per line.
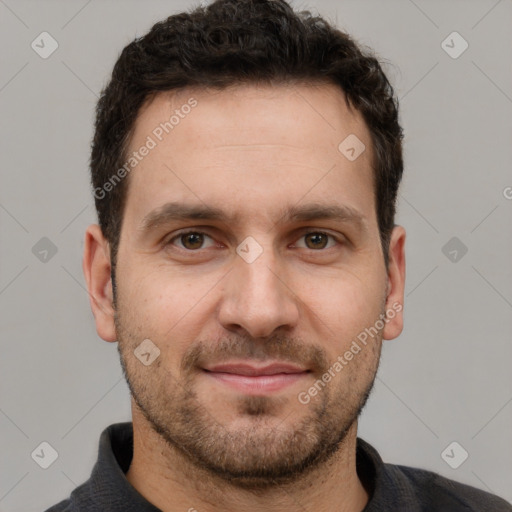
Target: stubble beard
<point>267,451</point>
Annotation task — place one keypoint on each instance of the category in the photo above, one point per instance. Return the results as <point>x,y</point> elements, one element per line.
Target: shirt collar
<point>108,482</point>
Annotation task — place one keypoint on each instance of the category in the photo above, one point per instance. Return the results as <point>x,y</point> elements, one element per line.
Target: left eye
<point>317,239</point>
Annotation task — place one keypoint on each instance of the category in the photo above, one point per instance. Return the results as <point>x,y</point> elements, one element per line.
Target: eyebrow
<point>177,211</point>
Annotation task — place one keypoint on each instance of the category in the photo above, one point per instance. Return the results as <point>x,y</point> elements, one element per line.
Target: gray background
<point>446,378</point>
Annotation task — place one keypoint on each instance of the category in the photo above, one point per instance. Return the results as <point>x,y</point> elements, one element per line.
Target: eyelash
<point>195,231</point>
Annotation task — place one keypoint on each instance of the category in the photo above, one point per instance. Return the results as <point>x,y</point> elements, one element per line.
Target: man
<point>245,168</point>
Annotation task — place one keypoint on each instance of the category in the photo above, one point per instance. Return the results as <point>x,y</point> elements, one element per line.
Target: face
<point>250,259</point>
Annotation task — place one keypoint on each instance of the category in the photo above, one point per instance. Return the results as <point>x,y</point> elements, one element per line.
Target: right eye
<point>191,240</point>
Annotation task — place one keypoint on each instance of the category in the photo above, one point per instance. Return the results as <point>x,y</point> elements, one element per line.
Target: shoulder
<point>408,489</point>
<point>63,506</point>
<point>81,499</point>
<point>436,492</point>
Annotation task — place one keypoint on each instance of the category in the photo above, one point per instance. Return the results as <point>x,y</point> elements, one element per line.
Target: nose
<point>258,297</point>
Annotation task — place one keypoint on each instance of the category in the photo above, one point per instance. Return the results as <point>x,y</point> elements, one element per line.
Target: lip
<point>256,380</point>
<point>241,368</point>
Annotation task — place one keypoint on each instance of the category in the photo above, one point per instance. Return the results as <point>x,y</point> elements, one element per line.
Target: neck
<point>171,482</point>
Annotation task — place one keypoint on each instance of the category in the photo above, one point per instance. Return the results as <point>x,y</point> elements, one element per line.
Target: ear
<point>96,267</point>
<point>396,284</point>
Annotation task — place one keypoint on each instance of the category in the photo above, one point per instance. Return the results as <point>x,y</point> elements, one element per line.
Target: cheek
<point>344,306</point>
<point>152,290</point>
<point>167,306</point>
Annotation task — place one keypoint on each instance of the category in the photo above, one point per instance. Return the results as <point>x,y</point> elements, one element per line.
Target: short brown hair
<point>232,42</point>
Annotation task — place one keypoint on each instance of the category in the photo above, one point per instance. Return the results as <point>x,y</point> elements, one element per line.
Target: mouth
<point>256,380</point>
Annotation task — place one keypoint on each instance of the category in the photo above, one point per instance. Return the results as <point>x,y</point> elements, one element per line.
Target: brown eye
<point>191,240</point>
<point>316,240</point>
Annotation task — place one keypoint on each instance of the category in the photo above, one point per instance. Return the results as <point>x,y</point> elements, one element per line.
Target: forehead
<point>250,150</point>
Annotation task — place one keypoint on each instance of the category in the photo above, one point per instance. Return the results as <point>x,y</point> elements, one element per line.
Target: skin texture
<point>251,151</point>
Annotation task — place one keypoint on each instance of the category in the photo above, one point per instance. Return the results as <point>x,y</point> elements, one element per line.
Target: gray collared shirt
<point>392,488</point>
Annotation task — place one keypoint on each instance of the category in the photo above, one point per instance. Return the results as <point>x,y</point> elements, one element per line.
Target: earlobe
<point>395,284</point>
<point>96,266</point>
